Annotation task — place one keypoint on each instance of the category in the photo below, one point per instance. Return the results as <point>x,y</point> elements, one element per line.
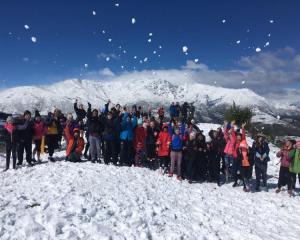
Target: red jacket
<point>139,137</point>
<point>70,138</point>
<point>40,130</point>
<point>163,142</point>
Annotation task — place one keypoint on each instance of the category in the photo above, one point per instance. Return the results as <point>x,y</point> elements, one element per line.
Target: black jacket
<point>80,113</point>
<point>25,131</point>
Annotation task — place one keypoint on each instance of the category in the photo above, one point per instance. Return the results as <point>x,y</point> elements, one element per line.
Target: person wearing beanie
<point>139,143</point>
<point>75,144</point>
<point>25,133</point>
<point>10,138</point>
<point>163,149</point>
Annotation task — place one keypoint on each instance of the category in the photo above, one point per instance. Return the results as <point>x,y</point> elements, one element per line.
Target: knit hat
<point>9,119</point>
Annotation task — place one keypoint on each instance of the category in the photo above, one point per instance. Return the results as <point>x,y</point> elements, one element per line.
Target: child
<point>283,154</point>
<point>75,145</point>
<point>242,153</point>
<point>294,167</point>
<point>139,143</point>
<point>10,142</point>
<point>163,148</point>
<point>39,131</point>
<point>191,156</point>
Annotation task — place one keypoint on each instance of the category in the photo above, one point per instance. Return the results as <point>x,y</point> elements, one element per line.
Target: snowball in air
<point>150,34</point>
<point>109,39</point>
<point>243,82</point>
<point>238,41</point>
<point>33,39</point>
<point>26,27</point>
<point>133,20</point>
<point>149,40</point>
<point>271,21</point>
<point>86,65</point>
<point>145,59</point>
<point>278,117</point>
<point>107,59</point>
<point>267,44</point>
<point>223,21</point>
<point>94,13</point>
<point>196,60</point>
<point>185,49</point>
<point>117,4</point>
<point>257,49</point>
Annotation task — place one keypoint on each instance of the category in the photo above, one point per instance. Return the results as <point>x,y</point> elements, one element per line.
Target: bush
<point>238,114</point>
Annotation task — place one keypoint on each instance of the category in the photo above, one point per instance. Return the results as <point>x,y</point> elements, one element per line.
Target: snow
<point>86,65</point>
<point>196,60</point>
<point>150,34</point>
<point>258,49</point>
<point>26,27</point>
<point>160,47</point>
<point>267,44</point>
<point>278,117</point>
<point>117,4</point>
<point>33,39</point>
<point>224,21</point>
<point>103,31</point>
<point>238,41</point>
<point>269,35</point>
<point>133,20</point>
<point>149,40</point>
<point>154,52</point>
<point>243,82</point>
<point>107,59</point>
<point>110,40</point>
<point>94,13</point>
<point>65,200</point>
<point>271,21</point>
<point>185,49</point>
<point>145,59</point>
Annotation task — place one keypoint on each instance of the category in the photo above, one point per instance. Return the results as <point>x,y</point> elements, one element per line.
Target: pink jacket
<point>284,157</point>
<point>39,130</point>
<point>230,142</point>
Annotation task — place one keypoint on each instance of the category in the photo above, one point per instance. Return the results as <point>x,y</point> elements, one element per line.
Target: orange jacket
<point>70,138</point>
<point>244,148</point>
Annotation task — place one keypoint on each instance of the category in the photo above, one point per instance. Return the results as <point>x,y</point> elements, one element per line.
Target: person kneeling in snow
<point>75,145</point>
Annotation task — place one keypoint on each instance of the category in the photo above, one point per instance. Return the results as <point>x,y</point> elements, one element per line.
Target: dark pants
<point>203,165</point>
<point>126,152</point>
<point>261,173</point>
<point>164,162</point>
<point>87,146</point>
<point>52,140</point>
<point>284,175</point>
<point>246,175</point>
<point>74,157</point>
<point>214,167</point>
<point>151,150</point>
<point>27,146</point>
<point>11,149</point>
<point>110,153</point>
<point>292,181</point>
<point>191,165</point>
<point>236,169</point>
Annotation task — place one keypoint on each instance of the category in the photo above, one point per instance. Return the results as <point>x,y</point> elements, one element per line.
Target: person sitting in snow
<point>75,144</point>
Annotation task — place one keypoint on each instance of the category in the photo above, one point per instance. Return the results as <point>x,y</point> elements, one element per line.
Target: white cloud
<point>106,72</point>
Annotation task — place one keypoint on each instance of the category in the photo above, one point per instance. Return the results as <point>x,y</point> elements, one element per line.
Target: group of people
<point>131,136</point>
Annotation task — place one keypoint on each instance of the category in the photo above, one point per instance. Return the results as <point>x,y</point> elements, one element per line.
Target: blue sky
<point>70,36</point>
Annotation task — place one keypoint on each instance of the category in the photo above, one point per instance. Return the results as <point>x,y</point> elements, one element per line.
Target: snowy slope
<point>92,201</point>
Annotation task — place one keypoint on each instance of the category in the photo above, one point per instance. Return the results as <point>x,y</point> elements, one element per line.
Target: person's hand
<point>243,125</point>
<point>89,104</point>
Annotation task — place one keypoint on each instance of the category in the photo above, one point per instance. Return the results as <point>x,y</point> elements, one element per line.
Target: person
<point>294,168</point>
<point>151,137</point>
<point>80,112</point>
<point>139,143</point>
<point>261,150</point>
<point>10,137</point>
<point>214,149</point>
<point>52,136</point>
<point>191,156</point>
<point>110,136</point>
<point>75,144</point>
<point>161,114</point>
<point>184,111</point>
<point>230,138</point>
<point>177,110</point>
<point>202,152</point>
<point>40,130</point>
<point>94,131</point>
<point>163,148</point>
<point>177,138</point>
<point>284,174</point>
<point>25,133</point>
<point>128,125</point>
<point>172,110</point>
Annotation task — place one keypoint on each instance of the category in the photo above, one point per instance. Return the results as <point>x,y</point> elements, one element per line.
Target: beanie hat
<point>9,119</point>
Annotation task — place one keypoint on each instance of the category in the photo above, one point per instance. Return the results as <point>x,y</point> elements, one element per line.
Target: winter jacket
<point>111,129</point>
<point>244,149</point>
<point>26,131</point>
<point>285,160</point>
<point>139,137</point>
<point>161,112</point>
<point>176,140</point>
<point>74,144</point>
<point>94,124</point>
<point>163,142</point>
<point>191,149</point>
<point>295,160</point>
<point>151,138</point>
<point>10,134</point>
<point>127,127</point>
<point>172,110</point>
<point>230,142</point>
<point>261,151</point>
<point>40,130</point>
<point>53,125</point>
<point>80,113</point>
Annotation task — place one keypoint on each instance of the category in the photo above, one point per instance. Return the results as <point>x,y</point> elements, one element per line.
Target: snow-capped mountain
<point>131,88</point>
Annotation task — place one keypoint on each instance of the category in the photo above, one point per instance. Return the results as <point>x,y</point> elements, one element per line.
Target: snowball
<point>135,57</point>
<point>103,31</point>
<point>150,34</point>
<point>215,82</point>
<point>117,4</point>
<point>269,35</point>
<point>133,20</point>
<point>33,39</point>
<point>185,49</point>
<point>86,65</point>
<point>149,40</point>
<point>141,61</point>
<point>248,30</point>
<point>124,51</point>
<point>238,41</point>
<point>154,52</point>
<point>145,59</point>
<point>271,21</point>
<point>120,47</point>
<point>26,27</point>
<point>109,39</point>
<point>94,13</point>
<point>160,47</point>
<point>122,67</point>
<point>107,59</point>
<point>196,60</point>
<point>243,82</point>
<point>224,21</point>
<point>159,55</point>
<point>267,44</point>
<point>278,117</point>
<point>257,49</point>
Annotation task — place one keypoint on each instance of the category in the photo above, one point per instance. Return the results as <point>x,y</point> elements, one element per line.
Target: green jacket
<point>295,162</point>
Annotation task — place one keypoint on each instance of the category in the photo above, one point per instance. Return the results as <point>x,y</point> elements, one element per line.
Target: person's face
<point>288,144</point>
<point>152,124</point>
<point>95,114</point>
<point>177,131</point>
<point>76,134</point>
<point>27,117</point>
<point>239,138</point>
<point>81,106</point>
<point>215,134</point>
<point>260,139</point>
<point>109,116</point>
<point>192,136</point>
<point>38,119</point>
<point>165,129</point>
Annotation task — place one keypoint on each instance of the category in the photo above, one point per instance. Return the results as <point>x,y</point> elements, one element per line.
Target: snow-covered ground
<point>93,201</point>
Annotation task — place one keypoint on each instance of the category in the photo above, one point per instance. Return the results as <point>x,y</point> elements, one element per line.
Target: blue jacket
<point>176,140</point>
<point>172,110</point>
<point>127,128</point>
